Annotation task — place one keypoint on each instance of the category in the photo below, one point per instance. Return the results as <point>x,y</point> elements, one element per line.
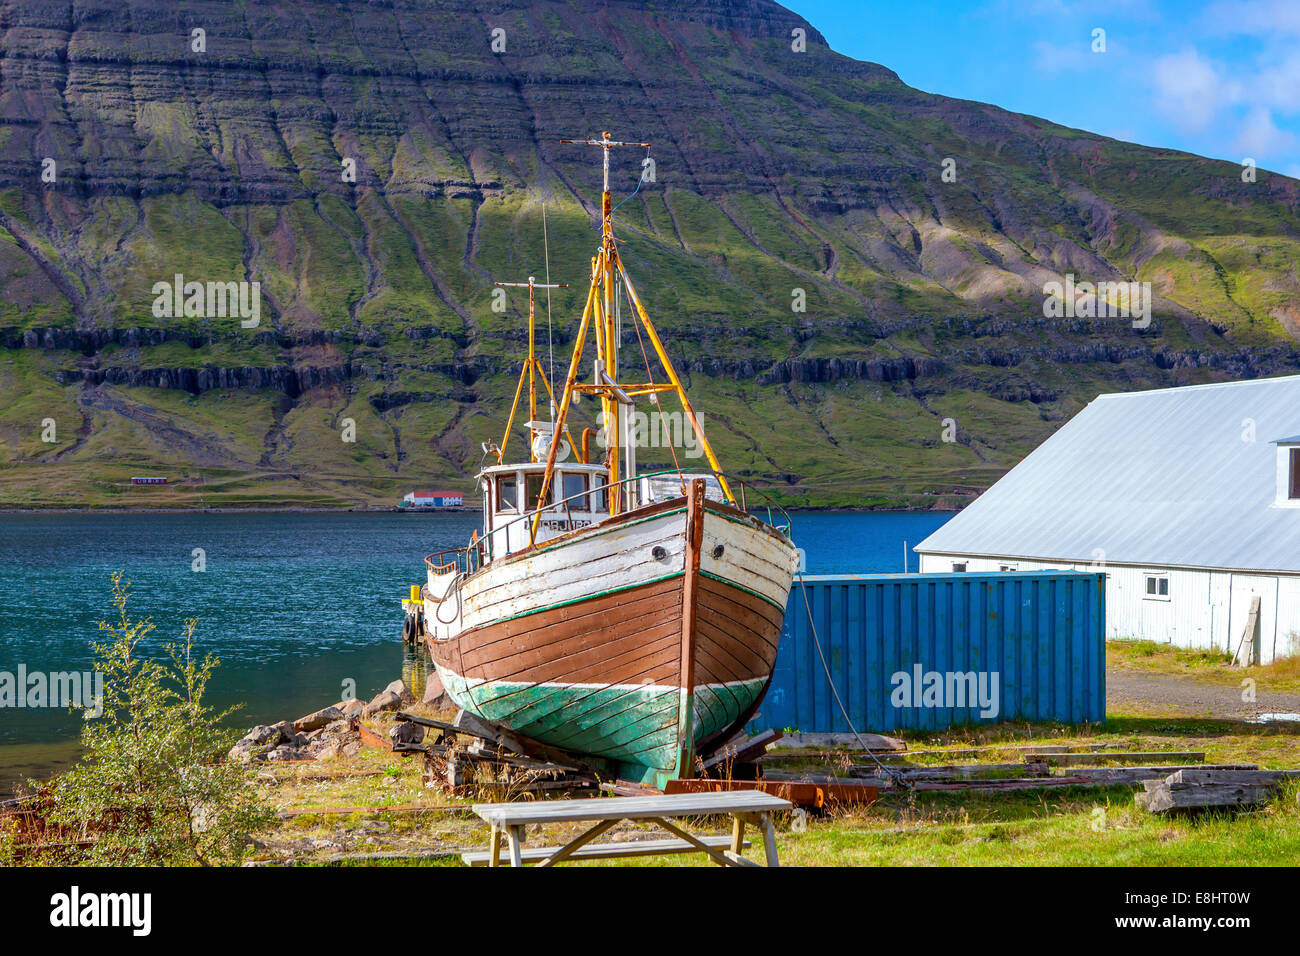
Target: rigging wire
<point>654,396</point>
<point>891,772</point>
<point>635,191</point>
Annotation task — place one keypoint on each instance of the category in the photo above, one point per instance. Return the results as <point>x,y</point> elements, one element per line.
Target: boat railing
<point>465,560</point>
<point>469,559</point>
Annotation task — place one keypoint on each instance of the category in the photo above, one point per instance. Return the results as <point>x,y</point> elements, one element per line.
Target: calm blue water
<point>294,605</point>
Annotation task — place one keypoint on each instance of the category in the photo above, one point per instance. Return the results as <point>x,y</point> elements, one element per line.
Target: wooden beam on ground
<point>1226,795</point>
<point>297,776</point>
<point>347,811</point>
<point>974,771</point>
<point>1195,788</point>
<point>372,739</point>
<point>336,858</point>
<point>1120,756</point>
<point>1134,776</point>
<point>1028,749</point>
<point>1199,776</point>
<point>776,756</point>
<point>816,795</point>
<point>1076,777</point>
<point>741,750</point>
<point>871,741</point>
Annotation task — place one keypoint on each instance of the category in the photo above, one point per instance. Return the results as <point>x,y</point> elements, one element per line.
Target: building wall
<point>1205,610</point>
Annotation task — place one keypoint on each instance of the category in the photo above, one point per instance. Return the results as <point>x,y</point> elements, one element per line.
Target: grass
<point>1067,827</point>
<point>1207,666</point>
<point>1099,827</point>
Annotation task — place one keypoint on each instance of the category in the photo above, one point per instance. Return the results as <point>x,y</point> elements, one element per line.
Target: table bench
<point>744,807</point>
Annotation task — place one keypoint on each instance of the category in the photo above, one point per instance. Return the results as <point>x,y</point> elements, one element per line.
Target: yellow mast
<point>599,313</point>
<point>532,369</point>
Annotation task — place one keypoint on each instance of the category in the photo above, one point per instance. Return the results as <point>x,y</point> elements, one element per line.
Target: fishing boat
<point>629,618</point>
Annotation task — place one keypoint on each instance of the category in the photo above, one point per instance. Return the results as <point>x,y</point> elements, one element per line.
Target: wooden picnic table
<point>744,807</point>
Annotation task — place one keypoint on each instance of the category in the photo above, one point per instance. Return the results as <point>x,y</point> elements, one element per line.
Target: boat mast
<point>615,399</point>
<point>532,369</point>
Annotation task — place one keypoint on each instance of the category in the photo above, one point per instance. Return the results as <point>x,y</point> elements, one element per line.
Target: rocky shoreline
<point>334,731</point>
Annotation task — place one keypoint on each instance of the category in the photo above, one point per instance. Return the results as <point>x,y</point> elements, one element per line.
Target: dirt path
<point>1181,697</point>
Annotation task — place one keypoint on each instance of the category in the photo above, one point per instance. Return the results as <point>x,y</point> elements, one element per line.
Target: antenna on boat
<point>600,315</point>
<point>532,369</point>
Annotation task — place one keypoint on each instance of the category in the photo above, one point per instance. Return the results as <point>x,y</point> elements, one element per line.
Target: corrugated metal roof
<point>1165,478</point>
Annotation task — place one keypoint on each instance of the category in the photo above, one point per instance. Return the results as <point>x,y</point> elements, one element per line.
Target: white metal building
<point>1188,498</point>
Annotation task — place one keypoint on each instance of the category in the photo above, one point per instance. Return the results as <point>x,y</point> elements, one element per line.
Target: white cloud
<point>1277,84</point>
<point>1189,90</point>
<point>1259,137</point>
<point>1266,18</point>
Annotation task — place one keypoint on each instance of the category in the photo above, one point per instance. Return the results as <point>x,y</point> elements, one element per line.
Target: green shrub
<point>154,787</point>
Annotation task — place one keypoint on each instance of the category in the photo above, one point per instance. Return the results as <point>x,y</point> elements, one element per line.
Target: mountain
<point>919,231</point>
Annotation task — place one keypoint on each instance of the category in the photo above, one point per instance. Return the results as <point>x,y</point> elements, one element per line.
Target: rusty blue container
<point>931,651</point>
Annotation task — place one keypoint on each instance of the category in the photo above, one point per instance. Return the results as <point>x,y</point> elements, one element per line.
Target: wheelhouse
<point>576,499</point>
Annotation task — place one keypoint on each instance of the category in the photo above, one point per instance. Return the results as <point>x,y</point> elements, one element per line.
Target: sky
<point>1219,78</point>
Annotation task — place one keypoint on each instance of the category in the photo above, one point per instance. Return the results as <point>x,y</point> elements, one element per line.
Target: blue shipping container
<point>930,651</point>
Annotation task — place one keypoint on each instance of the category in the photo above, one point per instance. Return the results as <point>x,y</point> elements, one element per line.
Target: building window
<point>1295,474</point>
<point>959,568</point>
<point>1007,567</point>
<point>1157,588</point>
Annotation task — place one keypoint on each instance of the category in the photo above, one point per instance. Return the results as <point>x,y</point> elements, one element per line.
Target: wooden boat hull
<point>638,639</point>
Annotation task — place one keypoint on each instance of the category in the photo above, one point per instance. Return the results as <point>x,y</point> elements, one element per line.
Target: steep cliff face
<point>374,166</point>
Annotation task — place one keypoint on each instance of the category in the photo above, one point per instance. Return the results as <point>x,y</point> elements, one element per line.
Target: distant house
<point>148,480</point>
<point>432,499</point>
<point>1188,498</point>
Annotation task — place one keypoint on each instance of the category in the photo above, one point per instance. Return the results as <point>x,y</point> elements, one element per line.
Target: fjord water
<point>294,605</point>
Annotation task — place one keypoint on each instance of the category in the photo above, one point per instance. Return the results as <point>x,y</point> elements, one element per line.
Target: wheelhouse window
<point>507,493</point>
<point>573,487</point>
<point>1157,587</point>
<point>534,487</point>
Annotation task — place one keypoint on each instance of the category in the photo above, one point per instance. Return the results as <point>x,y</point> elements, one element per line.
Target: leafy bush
<point>153,787</point>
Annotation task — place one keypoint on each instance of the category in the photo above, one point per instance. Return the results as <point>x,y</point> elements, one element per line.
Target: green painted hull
<point>637,728</point>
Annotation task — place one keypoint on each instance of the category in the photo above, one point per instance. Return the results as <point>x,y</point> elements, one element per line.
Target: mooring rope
<point>893,773</point>
<point>455,586</point>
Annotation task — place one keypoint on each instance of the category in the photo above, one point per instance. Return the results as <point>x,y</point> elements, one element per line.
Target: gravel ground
<point>1178,696</point>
